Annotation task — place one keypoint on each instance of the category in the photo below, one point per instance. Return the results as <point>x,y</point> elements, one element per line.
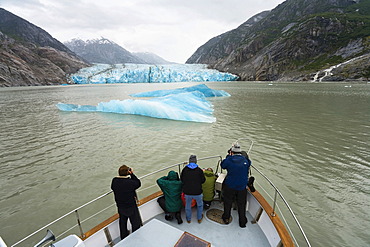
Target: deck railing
<point>78,227</point>
<point>275,207</point>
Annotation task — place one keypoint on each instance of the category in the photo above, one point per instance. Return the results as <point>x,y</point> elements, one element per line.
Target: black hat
<point>193,159</point>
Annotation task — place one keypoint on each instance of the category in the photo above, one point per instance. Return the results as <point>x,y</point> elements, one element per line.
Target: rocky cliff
<point>30,56</point>
<point>298,40</point>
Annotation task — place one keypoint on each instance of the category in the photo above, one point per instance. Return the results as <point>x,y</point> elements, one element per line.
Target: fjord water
<point>311,139</point>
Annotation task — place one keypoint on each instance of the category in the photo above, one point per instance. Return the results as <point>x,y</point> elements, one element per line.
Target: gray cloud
<point>173,29</point>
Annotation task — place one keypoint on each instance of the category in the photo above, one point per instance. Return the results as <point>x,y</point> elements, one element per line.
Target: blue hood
<point>192,165</point>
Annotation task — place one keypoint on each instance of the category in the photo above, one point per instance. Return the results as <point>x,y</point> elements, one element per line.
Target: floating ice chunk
<point>134,73</point>
<point>73,107</point>
<point>190,106</point>
<point>202,88</point>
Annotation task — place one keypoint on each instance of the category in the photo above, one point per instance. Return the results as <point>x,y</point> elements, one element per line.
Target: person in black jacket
<point>192,178</point>
<point>124,188</point>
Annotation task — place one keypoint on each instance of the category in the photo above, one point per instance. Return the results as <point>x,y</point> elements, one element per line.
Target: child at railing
<point>208,188</point>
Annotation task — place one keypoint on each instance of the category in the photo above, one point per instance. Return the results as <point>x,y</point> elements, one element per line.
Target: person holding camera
<point>235,184</point>
<point>124,188</point>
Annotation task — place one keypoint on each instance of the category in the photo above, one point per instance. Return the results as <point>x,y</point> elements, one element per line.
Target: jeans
<point>199,200</point>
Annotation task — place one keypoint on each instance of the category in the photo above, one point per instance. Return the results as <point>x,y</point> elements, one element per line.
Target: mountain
<point>101,51</point>
<point>31,56</point>
<point>297,40</point>
<point>151,58</point>
<point>107,52</point>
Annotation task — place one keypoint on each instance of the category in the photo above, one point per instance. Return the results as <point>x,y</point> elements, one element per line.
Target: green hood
<point>172,175</point>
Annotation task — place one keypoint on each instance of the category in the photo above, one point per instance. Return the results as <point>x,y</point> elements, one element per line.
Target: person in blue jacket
<point>235,184</point>
<point>171,202</point>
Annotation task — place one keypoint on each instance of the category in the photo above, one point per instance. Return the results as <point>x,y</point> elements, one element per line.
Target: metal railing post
<point>79,224</point>
<point>274,205</point>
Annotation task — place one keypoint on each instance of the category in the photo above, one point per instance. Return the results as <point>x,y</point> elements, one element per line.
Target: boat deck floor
<point>168,232</point>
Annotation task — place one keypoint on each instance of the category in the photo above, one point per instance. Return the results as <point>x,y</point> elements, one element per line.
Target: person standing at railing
<point>171,202</point>
<point>192,178</point>
<point>235,183</point>
<point>208,188</point>
<point>124,188</point>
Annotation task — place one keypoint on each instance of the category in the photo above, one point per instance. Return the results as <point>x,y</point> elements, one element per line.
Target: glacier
<point>144,73</point>
<point>206,91</point>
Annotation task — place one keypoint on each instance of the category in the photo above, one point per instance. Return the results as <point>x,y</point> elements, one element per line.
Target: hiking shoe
<point>226,221</point>
<point>200,220</point>
<point>189,221</point>
<point>243,225</point>
<point>168,217</point>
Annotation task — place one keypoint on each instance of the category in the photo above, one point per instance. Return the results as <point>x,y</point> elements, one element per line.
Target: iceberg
<point>202,88</point>
<point>144,73</point>
<point>186,106</point>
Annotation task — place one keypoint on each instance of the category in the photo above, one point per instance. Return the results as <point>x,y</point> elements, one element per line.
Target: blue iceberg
<point>206,91</point>
<point>187,106</point>
<point>144,73</point>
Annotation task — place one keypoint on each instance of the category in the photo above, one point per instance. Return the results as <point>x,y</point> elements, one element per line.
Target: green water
<point>312,140</point>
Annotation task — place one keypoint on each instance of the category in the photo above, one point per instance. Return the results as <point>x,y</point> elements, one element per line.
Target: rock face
<point>30,56</point>
<point>295,41</point>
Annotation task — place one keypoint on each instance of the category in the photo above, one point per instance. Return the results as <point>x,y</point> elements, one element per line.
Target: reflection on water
<point>311,139</point>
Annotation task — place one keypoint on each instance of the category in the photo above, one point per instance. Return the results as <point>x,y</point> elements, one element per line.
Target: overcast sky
<point>172,29</point>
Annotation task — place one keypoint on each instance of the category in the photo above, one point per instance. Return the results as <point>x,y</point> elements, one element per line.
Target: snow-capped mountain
<point>101,51</point>
<point>108,52</point>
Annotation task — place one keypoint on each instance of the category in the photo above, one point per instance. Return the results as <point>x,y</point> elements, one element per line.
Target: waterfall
<point>328,71</point>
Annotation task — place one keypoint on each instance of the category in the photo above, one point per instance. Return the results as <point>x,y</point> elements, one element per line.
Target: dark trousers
<point>206,204</point>
<point>241,201</point>
<point>131,213</point>
<point>162,203</point>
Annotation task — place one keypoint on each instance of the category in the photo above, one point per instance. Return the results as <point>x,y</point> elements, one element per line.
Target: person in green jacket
<point>171,202</point>
<point>208,187</point>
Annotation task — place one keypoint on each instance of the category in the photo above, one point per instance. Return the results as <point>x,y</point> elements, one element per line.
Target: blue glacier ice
<point>187,106</point>
<point>136,73</point>
<point>206,91</point>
